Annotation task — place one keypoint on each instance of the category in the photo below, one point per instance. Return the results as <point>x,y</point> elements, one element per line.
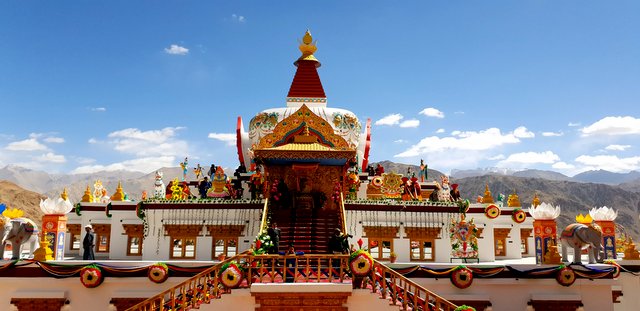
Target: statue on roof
<point>423,171</point>
<point>185,166</point>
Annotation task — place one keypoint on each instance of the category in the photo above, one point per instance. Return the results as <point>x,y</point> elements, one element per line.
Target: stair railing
<point>265,211</point>
<point>206,285</point>
<point>403,291</point>
<point>343,216</point>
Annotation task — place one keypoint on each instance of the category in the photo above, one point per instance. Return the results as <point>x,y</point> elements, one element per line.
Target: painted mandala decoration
<point>360,263</point>
<point>91,276</point>
<point>464,238</point>
<point>566,276</point>
<point>158,273</point>
<point>492,211</point>
<point>231,275</point>
<point>462,277</point>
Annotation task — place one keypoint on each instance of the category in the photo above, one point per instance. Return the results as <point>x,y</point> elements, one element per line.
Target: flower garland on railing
<point>360,262</point>
<point>231,274</point>
<point>91,276</point>
<point>465,308</point>
<point>492,211</point>
<point>461,277</point>
<point>158,272</point>
<point>263,244</point>
<point>519,216</point>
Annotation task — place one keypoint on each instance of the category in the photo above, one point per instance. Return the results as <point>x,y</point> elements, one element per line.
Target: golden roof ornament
<point>64,194</point>
<point>536,200</point>
<point>87,197</point>
<point>119,195</point>
<point>308,47</point>
<point>585,220</point>
<point>487,198</point>
<point>513,200</point>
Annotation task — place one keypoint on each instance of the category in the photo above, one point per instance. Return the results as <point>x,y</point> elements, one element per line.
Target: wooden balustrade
<point>405,292</point>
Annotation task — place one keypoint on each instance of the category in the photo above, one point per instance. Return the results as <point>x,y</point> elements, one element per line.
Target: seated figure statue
<point>218,185</point>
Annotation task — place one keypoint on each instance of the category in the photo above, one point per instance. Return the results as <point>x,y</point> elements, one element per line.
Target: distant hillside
<point>15,197</point>
<point>549,175</point>
<point>606,177</point>
<point>573,197</point>
<point>633,186</point>
<point>481,172</point>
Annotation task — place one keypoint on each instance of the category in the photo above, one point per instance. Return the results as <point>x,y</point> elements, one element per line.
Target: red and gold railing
<point>205,286</point>
<point>405,292</point>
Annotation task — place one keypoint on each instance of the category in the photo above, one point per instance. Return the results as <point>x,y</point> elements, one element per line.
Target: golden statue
<point>87,197</point>
<point>119,195</point>
<point>514,200</point>
<point>64,194</point>
<point>536,200</point>
<point>487,198</point>
<point>630,251</point>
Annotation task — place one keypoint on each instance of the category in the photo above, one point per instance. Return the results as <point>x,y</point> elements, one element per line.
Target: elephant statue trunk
<point>579,236</point>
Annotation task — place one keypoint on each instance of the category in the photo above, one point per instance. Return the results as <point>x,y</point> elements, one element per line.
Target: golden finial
<point>308,47</point>
<point>12,213</point>
<point>487,198</point>
<point>514,200</point>
<point>536,200</point>
<point>586,220</point>
<point>64,195</point>
<point>87,197</point>
<point>119,195</point>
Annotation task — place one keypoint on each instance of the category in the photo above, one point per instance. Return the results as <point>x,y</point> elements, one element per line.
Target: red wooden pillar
<point>608,238</point>
<point>54,227</point>
<point>545,231</point>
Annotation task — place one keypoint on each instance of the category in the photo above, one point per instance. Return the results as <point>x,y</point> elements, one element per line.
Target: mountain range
<point>575,194</point>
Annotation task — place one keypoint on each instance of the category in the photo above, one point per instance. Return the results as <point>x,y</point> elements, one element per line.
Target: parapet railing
<point>405,292</point>
<point>207,285</point>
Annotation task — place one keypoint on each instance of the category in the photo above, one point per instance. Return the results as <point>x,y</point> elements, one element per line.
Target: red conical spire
<point>306,85</point>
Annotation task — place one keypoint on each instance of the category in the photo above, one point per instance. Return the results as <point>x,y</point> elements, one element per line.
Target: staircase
<point>306,229</point>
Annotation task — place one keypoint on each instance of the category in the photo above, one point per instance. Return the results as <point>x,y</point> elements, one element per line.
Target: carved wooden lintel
<point>501,233</point>
<point>419,233</point>
<point>102,229</point>
<point>301,301</point>
<point>182,230</point>
<point>231,231</point>
<point>40,304</point>
<point>381,232</point>
<point>74,229</point>
<point>133,230</point>
<point>525,232</point>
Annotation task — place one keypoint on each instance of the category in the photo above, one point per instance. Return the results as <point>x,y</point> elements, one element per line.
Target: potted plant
<point>392,257</point>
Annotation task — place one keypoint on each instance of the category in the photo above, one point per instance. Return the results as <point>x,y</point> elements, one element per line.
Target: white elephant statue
<point>18,232</point>
<point>581,236</point>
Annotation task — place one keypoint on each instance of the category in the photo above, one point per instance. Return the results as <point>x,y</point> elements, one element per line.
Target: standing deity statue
<point>185,166</point>
<point>423,171</point>
<point>198,171</point>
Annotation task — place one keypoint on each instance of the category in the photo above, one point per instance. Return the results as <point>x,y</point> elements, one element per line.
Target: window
<point>183,240</point>
<point>524,240</point>
<point>102,237</point>
<point>422,242</point>
<point>422,250</point>
<point>74,236</point>
<point>135,235</point>
<point>380,248</point>
<point>380,241</point>
<point>183,247</point>
<point>500,236</point>
<point>226,246</point>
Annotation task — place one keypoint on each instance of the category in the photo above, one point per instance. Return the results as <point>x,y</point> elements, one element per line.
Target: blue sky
<point>87,86</point>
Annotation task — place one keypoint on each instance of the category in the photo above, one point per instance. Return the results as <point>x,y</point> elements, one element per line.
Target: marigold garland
<point>91,276</point>
<point>360,263</point>
<point>462,277</point>
<point>231,275</point>
<point>492,211</point>
<point>519,216</point>
<point>158,273</point>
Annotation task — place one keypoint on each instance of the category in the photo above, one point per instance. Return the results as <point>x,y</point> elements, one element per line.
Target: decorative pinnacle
<point>64,194</point>
<point>308,47</point>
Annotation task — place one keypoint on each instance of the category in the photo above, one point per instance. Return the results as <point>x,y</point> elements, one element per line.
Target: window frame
<point>380,241</point>
<point>225,245</point>
<point>183,247</point>
<point>421,242</point>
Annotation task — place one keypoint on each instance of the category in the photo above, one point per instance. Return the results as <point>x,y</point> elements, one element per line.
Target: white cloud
<point>563,166</point>
<point>546,157</point>
<point>574,124</point>
<point>391,119</point>
<point>432,112</point>
<point>148,143</point>
<point>229,138</point>
<point>54,140</point>
<point>103,109</point>
<point>440,131</point>
<point>92,140</point>
<point>175,49</point>
<point>523,132</point>
<point>238,18</point>
<point>552,134</point>
<point>400,141</point>
<point>467,141</point>
<point>51,157</point>
<point>497,157</point>
<point>146,165</point>
<point>610,163</point>
<point>30,144</point>
<point>458,112</point>
<point>613,126</point>
<point>410,123</point>
<point>617,147</point>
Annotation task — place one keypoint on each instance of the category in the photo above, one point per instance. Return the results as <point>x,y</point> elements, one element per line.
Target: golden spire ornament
<point>87,197</point>
<point>308,47</point>
<point>64,194</point>
<point>514,200</point>
<point>536,200</point>
<point>487,198</point>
